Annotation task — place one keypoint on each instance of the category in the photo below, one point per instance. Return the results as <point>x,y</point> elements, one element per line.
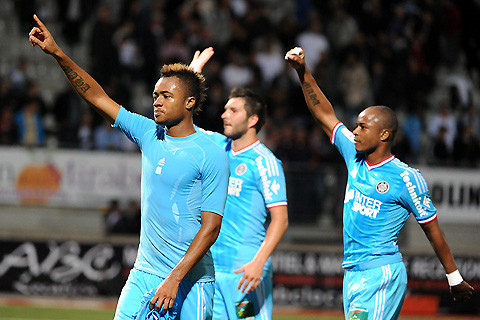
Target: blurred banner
<point>67,178</point>
<point>88,179</point>
<point>301,278</point>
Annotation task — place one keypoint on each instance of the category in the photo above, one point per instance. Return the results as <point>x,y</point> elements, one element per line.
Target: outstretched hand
<point>200,59</point>
<point>42,37</point>
<point>296,58</point>
<point>461,292</point>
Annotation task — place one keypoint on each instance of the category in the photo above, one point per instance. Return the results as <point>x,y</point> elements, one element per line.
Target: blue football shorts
<point>229,303</point>
<point>193,301</point>
<point>376,293</point>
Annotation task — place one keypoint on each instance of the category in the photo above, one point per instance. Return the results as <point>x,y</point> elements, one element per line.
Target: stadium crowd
<point>396,53</point>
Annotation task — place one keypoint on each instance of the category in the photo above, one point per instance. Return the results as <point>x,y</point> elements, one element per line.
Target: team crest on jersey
<point>383,187</point>
<point>241,169</point>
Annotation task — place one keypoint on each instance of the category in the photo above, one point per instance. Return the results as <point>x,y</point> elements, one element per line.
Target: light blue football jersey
<point>181,177</point>
<point>378,201</point>
<point>257,183</point>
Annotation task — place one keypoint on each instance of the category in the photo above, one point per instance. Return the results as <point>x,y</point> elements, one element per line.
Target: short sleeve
<point>271,180</point>
<point>342,138</point>
<point>215,175</point>
<point>415,196</point>
<point>133,125</point>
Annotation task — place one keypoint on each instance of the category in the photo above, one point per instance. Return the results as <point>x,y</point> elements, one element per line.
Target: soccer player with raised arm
<point>183,191</point>
<point>381,193</point>
<point>243,268</point>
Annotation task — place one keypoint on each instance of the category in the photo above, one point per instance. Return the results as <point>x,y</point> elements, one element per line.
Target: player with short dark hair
<point>184,187</point>
<point>381,193</point>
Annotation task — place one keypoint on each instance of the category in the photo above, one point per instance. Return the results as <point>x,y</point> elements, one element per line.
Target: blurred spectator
<point>68,108</point>
<point>469,118</point>
<point>451,32</point>
<point>313,41</point>
<point>103,54</point>
<point>128,52</point>
<point>107,138</point>
<point>72,15</point>
<point>466,149</point>
<point>441,152</point>
<point>413,127</point>
<point>269,57</point>
<point>133,214</point>
<point>85,131</point>
<point>175,49</point>
<point>115,221</point>
<point>8,126</point>
<point>401,147</point>
<point>460,88</point>
<point>236,73</point>
<point>30,125</point>
<point>6,95</point>
<point>443,127</point>
<point>354,84</point>
<point>342,30</point>
<point>18,78</point>
<point>216,16</point>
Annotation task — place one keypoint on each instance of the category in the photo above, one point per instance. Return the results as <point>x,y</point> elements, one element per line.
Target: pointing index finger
<point>40,23</point>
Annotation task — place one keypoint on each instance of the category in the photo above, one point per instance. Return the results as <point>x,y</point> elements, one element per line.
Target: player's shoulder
<point>206,143</point>
<point>265,161</point>
<point>216,137</point>
<point>398,165</point>
<point>409,175</point>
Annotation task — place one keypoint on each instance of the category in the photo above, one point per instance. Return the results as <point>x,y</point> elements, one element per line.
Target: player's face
<point>169,101</point>
<point>235,119</point>
<point>368,131</point>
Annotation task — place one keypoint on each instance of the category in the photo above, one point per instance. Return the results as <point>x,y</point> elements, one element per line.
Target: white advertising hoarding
<point>67,178</point>
<point>455,192</point>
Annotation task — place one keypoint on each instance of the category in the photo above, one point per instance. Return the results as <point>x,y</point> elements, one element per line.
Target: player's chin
<point>358,147</point>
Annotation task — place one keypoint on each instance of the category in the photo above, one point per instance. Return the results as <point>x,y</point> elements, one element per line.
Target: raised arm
<point>317,103</point>
<point>459,288</point>
<point>82,82</point>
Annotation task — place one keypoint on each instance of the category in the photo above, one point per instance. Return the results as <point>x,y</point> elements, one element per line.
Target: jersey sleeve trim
<point>277,204</point>
<point>270,161</point>
<point>428,219</point>
<point>334,132</point>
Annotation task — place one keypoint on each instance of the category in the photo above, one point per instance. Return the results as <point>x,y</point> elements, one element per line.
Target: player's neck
<point>182,129</point>
<point>245,140</point>
<point>378,156</point>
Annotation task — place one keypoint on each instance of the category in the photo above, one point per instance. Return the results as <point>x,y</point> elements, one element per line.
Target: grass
<point>56,313</point>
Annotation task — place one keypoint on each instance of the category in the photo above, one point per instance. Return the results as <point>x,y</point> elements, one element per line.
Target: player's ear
<point>190,103</point>
<point>252,120</point>
<point>385,135</point>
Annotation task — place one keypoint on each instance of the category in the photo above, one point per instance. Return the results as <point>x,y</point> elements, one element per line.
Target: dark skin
<point>172,108</point>
<point>373,137</point>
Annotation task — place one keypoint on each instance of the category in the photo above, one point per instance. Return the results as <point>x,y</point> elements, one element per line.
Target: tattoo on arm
<point>311,94</point>
<point>75,79</point>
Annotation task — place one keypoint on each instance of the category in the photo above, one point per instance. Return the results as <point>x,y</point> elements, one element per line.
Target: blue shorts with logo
<point>193,301</point>
<point>376,293</point>
<point>229,303</point>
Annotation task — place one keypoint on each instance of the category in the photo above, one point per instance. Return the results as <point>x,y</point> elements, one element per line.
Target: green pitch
<point>44,313</point>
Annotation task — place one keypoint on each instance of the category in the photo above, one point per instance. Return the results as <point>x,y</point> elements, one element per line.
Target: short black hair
<point>254,104</point>
<point>389,119</point>
<point>195,82</point>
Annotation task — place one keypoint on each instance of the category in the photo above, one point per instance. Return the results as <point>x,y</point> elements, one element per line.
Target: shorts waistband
<point>376,262</point>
